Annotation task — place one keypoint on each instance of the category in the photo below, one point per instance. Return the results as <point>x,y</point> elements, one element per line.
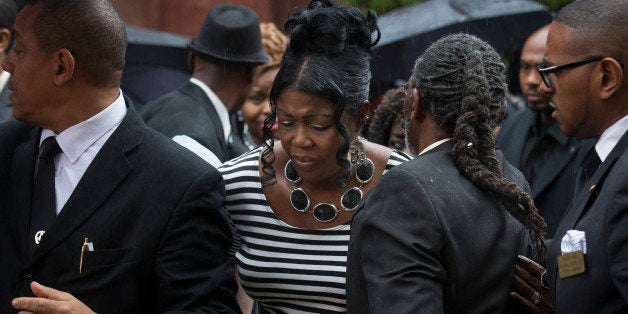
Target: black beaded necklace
<point>326,212</point>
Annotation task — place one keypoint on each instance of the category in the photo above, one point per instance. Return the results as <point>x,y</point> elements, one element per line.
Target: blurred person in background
<point>223,57</point>
<point>257,107</point>
<point>386,128</point>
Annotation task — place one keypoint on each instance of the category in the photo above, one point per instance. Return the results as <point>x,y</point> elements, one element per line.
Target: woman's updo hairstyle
<point>461,82</point>
<point>328,56</point>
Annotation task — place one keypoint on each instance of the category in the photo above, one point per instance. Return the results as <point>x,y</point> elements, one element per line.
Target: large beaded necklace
<point>350,199</point>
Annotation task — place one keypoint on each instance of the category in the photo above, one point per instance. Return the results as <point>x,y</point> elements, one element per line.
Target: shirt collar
<point>434,145</point>
<point>611,137</point>
<point>223,114</point>
<point>75,140</point>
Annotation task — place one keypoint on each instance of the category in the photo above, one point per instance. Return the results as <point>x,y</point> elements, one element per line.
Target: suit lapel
<point>554,167</point>
<point>581,204</point>
<point>22,188</point>
<point>196,93</point>
<point>102,177</point>
<point>199,95</point>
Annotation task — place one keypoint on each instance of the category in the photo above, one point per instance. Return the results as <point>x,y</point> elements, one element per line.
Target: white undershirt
<point>80,144</point>
<point>611,137</point>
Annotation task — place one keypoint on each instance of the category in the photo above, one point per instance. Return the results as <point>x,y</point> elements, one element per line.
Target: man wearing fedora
<point>222,58</point>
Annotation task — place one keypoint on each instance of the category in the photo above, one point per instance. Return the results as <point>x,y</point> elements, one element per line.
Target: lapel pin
<point>39,235</point>
<point>592,189</point>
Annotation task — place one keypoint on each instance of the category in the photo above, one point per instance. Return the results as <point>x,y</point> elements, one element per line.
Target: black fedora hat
<point>230,33</point>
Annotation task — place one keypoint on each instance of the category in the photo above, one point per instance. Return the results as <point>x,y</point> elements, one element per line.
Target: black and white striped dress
<point>285,268</point>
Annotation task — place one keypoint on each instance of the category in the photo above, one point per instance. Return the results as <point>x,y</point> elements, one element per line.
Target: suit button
<point>27,273</point>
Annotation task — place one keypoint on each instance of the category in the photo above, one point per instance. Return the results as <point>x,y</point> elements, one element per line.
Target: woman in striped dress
<point>291,201</point>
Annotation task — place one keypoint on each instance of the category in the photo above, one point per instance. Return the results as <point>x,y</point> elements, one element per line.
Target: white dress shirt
<point>80,144</point>
<point>611,137</point>
<point>223,115</point>
<point>434,145</point>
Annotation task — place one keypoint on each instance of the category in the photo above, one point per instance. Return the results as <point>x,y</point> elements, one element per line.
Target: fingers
<point>522,287</point>
<point>48,293</point>
<point>530,266</point>
<point>533,282</point>
<point>46,300</point>
<point>34,305</point>
<point>525,303</point>
<point>530,280</point>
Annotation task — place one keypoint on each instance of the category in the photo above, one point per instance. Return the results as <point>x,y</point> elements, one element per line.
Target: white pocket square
<point>574,240</point>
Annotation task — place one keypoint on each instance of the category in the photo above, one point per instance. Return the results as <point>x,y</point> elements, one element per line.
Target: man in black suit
<point>119,219</point>
<point>438,233</point>
<point>585,76</point>
<point>8,11</point>
<point>223,56</point>
<point>532,141</point>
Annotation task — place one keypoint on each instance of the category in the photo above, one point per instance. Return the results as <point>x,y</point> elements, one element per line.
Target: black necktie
<point>590,164</point>
<point>43,207</point>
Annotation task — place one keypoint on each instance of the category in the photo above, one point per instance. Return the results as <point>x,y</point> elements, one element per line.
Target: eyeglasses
<point>545,71</point>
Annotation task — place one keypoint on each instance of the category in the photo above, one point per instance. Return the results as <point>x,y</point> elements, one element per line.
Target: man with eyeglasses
<point>531,140</point>
<point>584,75</point>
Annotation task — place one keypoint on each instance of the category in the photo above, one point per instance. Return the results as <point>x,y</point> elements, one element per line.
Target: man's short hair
<point>602,23</point>
<point>91,30</point>
<point>8,11</point>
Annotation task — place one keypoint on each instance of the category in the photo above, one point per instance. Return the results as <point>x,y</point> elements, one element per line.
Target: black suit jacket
<point>12,134</point>
<point>154,213</point>
<point>427,240</point>
<point>554,186</point>
<point>188,111</point>
<point>602,213</point>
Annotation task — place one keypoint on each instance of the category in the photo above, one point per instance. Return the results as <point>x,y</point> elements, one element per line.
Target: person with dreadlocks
<point>441,233</point>
<point>291,201</point>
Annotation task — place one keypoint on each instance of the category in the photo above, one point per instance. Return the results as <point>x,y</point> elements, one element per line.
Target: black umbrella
<point>156,63</point>
<point>408,31</point>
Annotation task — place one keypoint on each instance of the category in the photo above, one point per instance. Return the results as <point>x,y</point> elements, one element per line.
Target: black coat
<point>154,212</point>
<point>602,213</point>
<point>12,134</point>
<point>554,186</point>
<point>429,241</point>
<point>188,111</point>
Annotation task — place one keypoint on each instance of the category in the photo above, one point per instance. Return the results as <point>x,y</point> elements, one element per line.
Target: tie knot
<point>49,148</point>
<point>592,160</point>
